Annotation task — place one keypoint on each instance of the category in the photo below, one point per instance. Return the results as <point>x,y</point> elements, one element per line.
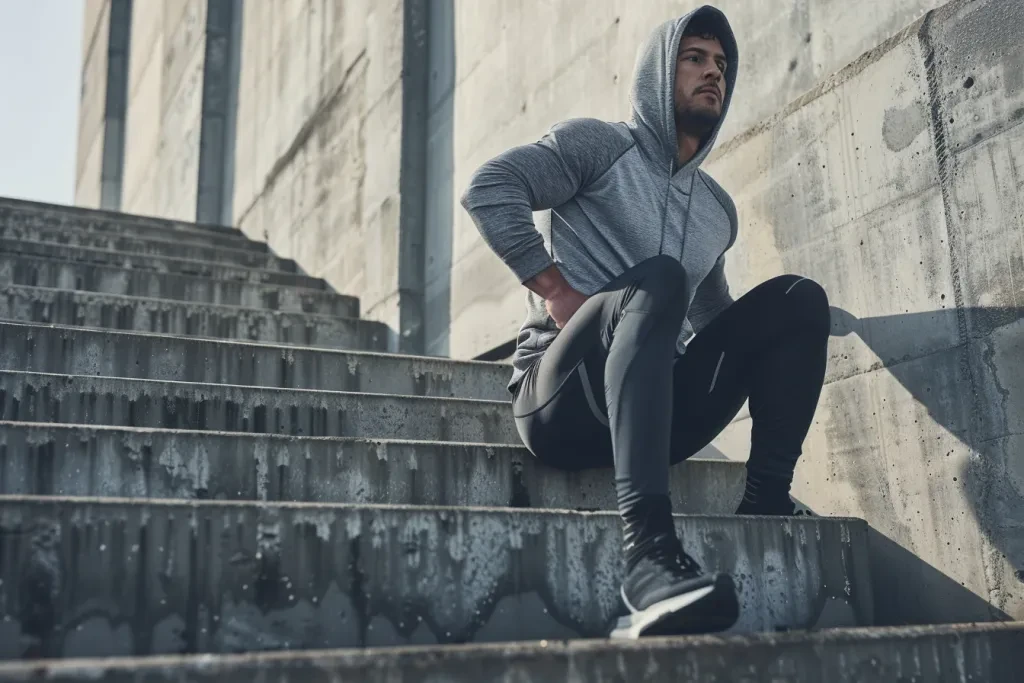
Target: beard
<point>696,120</point>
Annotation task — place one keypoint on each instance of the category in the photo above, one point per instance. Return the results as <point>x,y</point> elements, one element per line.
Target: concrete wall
<point>164,108</point>
<point>92,105</point>
<point>523,66</point>
<point>319,141</point>
<point>897,186</point>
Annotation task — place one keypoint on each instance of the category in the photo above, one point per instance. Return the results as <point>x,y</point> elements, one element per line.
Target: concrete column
<point>413,173</point>
<point>440,199</point>
<point>118,50</point>
<point>220,105</point>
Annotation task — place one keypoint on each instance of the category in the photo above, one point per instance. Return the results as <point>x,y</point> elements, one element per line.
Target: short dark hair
<point>704,27</point>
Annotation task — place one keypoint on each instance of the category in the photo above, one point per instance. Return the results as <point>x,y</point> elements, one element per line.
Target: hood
<point>654,82</point>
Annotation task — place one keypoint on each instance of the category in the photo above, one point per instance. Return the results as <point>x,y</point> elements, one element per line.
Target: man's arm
<point>505,191</point>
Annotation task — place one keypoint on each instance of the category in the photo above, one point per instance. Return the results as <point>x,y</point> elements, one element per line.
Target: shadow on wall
<point>962,394</point>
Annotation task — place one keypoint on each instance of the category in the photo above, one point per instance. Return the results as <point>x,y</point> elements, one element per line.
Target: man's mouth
<point>710,90</point>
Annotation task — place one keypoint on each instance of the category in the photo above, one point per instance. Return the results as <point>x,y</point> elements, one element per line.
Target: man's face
<point>700,84</point>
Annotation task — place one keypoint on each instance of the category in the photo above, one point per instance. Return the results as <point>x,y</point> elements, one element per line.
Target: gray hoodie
<point>612,196</point>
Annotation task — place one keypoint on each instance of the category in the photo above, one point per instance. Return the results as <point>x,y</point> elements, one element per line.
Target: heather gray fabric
<point>611,196</point>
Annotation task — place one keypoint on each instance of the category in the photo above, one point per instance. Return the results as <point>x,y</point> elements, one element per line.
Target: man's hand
<point>563,305</point>
<point>560,299</point>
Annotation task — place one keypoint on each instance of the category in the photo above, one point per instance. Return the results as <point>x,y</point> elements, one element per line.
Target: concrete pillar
<point>220,104</point>
<point>413,173</point>
<point>118,50</point>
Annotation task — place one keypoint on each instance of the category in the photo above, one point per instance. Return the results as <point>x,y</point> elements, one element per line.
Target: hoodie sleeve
<point>504,192</point>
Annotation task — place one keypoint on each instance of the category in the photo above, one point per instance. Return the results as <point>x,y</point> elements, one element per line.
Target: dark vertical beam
<point>116,105</point>
<point>440,197</point>
<point>220,104</point>
<point>412,182</point>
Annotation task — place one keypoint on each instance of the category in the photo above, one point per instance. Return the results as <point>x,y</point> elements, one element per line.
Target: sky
<point>40,76</point>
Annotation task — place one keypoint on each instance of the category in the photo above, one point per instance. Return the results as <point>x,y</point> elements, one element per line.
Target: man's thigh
<point>710,384</point>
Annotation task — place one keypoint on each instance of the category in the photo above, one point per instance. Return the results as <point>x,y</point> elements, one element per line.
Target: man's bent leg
<point>614,359</point>
<point>770,345</point>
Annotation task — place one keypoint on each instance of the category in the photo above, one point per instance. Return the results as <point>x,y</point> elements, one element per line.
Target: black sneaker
<point>779,507</point>
<point>665,590</point>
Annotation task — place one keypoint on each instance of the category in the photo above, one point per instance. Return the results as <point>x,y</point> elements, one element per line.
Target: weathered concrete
<point>44,305</point>
<point>75,399</point>
<point>92,103</point>
<point>75,460</point>
<point>895,185</point>
<point>165,246</point>
<point>960,653</point>
<point>33,215</point>
<point>116,577</point>
<point>319,142</point>
<point>16,269</point>
<point>159,264</point>
<point>73,351</point>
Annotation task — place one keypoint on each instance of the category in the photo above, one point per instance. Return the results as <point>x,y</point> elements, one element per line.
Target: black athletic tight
<point>611,388</point>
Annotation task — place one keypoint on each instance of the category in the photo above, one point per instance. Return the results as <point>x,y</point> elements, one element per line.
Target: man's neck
<point>688,147</point>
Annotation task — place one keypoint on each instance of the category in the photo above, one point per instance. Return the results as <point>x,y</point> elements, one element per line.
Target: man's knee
<point>806,303</point>
<point>664,273</point>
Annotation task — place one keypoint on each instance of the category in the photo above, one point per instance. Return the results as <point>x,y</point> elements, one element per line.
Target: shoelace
<point>669,554</point>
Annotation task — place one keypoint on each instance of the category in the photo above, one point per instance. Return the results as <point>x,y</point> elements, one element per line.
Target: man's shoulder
<point>600,138</point>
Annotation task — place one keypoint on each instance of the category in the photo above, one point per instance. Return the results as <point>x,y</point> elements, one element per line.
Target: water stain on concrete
<point>903,124</point>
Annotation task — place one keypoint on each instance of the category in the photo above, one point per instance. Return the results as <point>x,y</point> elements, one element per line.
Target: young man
<point>633,353</point>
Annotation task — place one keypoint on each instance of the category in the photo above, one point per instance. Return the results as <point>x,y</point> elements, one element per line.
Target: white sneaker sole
<point>632,626</point>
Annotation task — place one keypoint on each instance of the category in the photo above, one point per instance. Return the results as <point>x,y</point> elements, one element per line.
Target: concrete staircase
<point>203,451</point>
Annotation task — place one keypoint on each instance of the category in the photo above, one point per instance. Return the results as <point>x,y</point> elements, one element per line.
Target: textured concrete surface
<point>16,269</point>
<point>64,307</point>
<point>165,108</point>
<point>76,399</point>
<point>115,577</point>
<point>319,141</point>
<point>159,264</point>
<point>22,215</point>
<point>896,185</point>
<point>961,653</point>
<point>74,460</point>
<point>165,246</point>
<point>92,102</point>
<point>72,351</point>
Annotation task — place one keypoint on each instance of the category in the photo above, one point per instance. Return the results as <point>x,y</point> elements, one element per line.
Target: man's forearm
<point>548,283</point>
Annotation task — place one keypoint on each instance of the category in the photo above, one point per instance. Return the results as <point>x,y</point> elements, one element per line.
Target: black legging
<point>611,388</point>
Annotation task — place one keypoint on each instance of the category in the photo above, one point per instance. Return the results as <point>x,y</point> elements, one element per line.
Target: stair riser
<point>973,654</point>
<point>30,304</point>
<point>157,264</point>
<point>79,461</point>
<point>131,403</point>
<point>92,352</point>
<point>151,247</point>
<point>219,578</point>
<point>34,219</point>
<point>20,270</point>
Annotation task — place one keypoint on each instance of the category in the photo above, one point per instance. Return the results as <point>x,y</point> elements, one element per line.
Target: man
<point>633,353</point>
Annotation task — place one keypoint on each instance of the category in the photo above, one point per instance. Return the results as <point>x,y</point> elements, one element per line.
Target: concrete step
<point>72,460</point>
<point>113,577</point>
<point>149,246</point>
<point>953,653</point>
<point>76,399</point>
<point>76,351</point>
<point>166,316</point>
<point>16,269</point>
<point>21,214</point>
<point>157,264</point>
